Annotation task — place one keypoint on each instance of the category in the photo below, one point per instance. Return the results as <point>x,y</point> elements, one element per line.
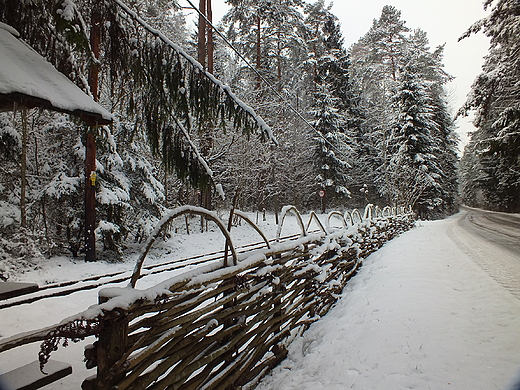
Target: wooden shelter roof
<point>28,79</point>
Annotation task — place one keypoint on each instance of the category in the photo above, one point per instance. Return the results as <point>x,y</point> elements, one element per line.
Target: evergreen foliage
<point>332,106</point>
<point>146,80</point>
<point>491,175</point>
<point>408,137</point>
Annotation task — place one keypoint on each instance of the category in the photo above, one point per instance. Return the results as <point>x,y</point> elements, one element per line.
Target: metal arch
<point>387,211</point>
<point>348,218</point>
<point>369,210</point>
<point>165,221</point>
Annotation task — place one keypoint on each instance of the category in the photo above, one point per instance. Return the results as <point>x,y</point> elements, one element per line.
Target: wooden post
<point>230,224</point>
<point>90,197</point>
<point>279,289</point>
<point>112,344</point>
<point>111,347</point>
<point>90,145</point>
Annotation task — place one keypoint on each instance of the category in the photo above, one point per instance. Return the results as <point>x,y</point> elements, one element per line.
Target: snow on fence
<point>217,326</point>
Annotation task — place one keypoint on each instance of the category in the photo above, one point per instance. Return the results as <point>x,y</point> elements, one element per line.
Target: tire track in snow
<point>491,240</point>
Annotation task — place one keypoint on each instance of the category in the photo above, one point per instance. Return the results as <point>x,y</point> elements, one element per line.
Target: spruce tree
<point>376,61</point>
<point>407,139</point>
<point>495,98</point>
<point>333,107</point>
<point>413,167</point>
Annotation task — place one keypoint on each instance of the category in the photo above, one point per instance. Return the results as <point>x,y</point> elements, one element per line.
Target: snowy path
<point>492,240</point>
<point>421,314</point>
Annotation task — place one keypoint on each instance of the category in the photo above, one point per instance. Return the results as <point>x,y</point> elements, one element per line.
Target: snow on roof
<point>28,79</point>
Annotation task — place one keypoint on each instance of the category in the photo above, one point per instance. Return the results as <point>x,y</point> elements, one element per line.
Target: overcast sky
<point>443,20</point>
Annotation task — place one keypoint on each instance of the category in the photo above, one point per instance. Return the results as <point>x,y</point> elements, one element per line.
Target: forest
<point>268,106</point>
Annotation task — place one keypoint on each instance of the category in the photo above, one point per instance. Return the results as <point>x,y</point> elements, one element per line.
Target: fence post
<point>111,346</point>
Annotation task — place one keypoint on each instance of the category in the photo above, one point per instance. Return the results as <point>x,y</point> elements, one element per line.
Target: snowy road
<point>499,228</point>
<point>492,240</point>
<point>432,309</point>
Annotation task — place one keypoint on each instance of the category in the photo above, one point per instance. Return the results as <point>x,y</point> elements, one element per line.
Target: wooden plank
<point>29,377</point>
<point>14,289</point>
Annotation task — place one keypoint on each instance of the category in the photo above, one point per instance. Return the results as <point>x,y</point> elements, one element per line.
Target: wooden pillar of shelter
<point>23,173</point>
<point>90,145</point>
<point>90,197</point>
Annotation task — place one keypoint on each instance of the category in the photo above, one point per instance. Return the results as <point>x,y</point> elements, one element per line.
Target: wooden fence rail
<point>219,327</point>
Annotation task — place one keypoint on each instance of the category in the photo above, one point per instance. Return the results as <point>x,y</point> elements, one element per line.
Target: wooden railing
<point>220,327</point>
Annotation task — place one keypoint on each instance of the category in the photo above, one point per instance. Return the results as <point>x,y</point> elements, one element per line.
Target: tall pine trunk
<point>201,44</point>
<point>210,36</point>
<point>258,51</point>
<point>205,49</point>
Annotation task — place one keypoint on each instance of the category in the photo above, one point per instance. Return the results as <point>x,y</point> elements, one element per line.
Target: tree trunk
<point>201,44</point>
<point>210,37</point>
<point>90,198</point>
<point>208,137</point>
<point>258,51</point>
<point>205,47</point>
<point>315,65</point>
<point>37,164</point>
<point>279,61</point>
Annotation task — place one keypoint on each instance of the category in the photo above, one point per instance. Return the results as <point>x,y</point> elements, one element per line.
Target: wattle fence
<point>225,324</point>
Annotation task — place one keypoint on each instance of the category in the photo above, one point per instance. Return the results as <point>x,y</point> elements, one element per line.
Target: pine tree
<point>264,31</point>
<point>270,36</point>
<point>376,61</point>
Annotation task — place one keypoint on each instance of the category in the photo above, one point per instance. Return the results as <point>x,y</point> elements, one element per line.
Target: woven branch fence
<point>220,326</point>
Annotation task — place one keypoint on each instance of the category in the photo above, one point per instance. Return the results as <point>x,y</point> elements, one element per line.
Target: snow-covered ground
<point>50,311</point>
<point>420,314</point>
